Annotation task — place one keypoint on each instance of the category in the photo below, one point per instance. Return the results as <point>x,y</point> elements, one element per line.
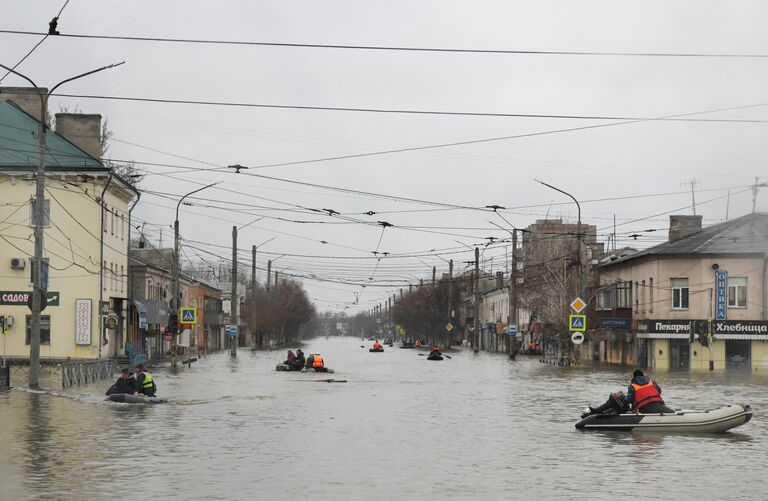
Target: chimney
<point>499,279</point>
<point>25,98</point>
<point>84,131</point>
<point>683,226</point>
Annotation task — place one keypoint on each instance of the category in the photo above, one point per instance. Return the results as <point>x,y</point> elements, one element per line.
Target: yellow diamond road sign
<point>449,327</point>
<point>578,305</point>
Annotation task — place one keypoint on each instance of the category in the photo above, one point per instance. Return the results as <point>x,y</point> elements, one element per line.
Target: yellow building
<point>695,302</point>
<point>86,233</point>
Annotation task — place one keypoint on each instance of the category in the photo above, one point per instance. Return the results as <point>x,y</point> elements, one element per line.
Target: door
<point>679,355</point>
<point>738,355</point>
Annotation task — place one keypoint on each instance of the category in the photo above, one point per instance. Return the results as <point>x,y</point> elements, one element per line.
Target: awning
<point>142,314</point>
<point>741,337</point>
<point>663,335</point>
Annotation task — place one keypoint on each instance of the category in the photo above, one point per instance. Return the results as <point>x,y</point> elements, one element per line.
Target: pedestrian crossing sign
<point>577,323</point>
<point>188,315</point>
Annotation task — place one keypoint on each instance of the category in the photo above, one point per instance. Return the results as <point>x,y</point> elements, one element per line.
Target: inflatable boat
<point>286,367</point>
<point>374,350</point>
<point>317,369</point>
<point>712,421</point>
<point>435,357</point>
<point>125,398</point>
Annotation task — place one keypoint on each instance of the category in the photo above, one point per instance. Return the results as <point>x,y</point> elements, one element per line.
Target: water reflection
<point>37,440</point>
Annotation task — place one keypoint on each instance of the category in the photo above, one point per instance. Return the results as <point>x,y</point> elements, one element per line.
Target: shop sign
<point>615,323</point>
<point>721,295</point>
<point>740,327</point>
<point>669,326</point>
<point>83,315</point>
<point>23,298</point>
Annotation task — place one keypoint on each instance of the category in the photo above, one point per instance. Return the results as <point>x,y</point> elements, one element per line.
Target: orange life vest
<point>418,343</point>
<point>317,361</point>
<point>376,346</point>
<point>645,394</point>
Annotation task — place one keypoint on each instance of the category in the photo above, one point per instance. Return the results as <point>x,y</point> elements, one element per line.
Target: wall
<point>72,244</point>
<point>760,356</point>
<point>700,356</point>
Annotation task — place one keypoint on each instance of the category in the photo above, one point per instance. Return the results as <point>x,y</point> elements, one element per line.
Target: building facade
<point>86,233</point>
<point>696,302</point>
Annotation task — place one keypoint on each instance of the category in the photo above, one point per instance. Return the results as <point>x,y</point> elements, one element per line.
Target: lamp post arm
<point>564,193</point>
<point>192,193</point>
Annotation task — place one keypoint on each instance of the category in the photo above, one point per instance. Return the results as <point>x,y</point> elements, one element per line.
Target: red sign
<point>167,337</point>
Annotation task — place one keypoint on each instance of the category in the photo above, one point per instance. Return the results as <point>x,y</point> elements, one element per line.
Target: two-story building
<point>86,232</point>
<point>697,301</point>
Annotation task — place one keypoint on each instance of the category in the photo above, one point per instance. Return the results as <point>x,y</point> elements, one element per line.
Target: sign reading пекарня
<point>21,298</point>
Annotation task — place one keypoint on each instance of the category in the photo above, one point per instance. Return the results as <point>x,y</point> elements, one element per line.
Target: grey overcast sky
<point>618,162</point>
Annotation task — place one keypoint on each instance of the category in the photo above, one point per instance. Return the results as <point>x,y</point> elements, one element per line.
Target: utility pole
<point>476,344</point>
<point>434,272</point>
<point>235,300</point>
<point>450,296</point>
<point>512,340</point>
<point>269,275</point>
<point>252,302</point>
<point>38,293</point>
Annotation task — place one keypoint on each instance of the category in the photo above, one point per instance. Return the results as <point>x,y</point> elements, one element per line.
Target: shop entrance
<point>738,355</point>
<point>679,355</point>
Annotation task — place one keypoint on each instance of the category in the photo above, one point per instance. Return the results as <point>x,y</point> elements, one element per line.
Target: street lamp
<point>176,304</point>
<point>37,289</point>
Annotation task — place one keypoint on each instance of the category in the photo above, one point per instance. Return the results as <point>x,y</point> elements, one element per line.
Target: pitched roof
<point>744,235</point>
<point>19,145</point>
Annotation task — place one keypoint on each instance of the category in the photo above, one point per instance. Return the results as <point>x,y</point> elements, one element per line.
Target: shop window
<point>737,292</point>
<point>679,293</point>
<point>45,329</point>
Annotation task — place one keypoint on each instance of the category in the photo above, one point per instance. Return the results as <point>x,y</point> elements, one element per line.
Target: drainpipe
<point>765,287</point>
<point>101,262</point>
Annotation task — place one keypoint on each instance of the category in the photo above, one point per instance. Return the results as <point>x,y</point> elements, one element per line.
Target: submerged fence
<point>5,377</point>
<point>82,372</point>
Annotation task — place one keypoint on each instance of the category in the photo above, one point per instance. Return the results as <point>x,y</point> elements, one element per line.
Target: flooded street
<point>476,426</point>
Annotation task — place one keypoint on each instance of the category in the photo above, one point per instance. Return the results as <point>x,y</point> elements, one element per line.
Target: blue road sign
<point>230,329</point>
<point>577,323</point>
<point>188,315</point>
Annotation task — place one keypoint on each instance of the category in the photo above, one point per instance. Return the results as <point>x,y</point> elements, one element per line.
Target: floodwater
<point>477,426</point>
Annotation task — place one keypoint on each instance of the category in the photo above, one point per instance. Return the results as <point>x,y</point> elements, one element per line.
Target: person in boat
<point>315,361</point>
<point>418,344</point>
<point>144,383</point>
<point>291,357</point>
<point>300,360</point>
<point>376,345</point>
<point>644,395</point>
<point>435,352</point>
<point>616,404</point>
<point>126,383</point>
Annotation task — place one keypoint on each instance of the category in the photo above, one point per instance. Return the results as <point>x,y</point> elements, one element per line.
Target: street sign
<point>578,305</point>
<point>512,329</point>
<point>577,323</point>
<point>577,337</point>
<point>449,326</point>
<point>188,315</point>
<point>230,329</point>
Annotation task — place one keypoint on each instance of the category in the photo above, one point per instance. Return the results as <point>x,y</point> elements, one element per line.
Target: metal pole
<point>434,272</point>
<point>39,214</point>
<point>450,296</point>
<point>512,340</point>
<point>476,344</point>
<point>235,300</point>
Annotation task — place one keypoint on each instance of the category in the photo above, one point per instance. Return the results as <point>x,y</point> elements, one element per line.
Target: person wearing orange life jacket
<point>315,361</point>
<point>376,345</point>
<point>418,344</point>
<point>645,396</point>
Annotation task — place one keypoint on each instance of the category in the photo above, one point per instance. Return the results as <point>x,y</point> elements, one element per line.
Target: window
<point>122,278</point>
<point>650,292</point>
<point>637,297</point>
<point>642,294</point>
<point>605,298</point>
<point>104,214</point>
<point>618,295</point>
<point>624,294</point>
<point>737,292</point>
<point>46,212</point>
<point>45,329</point>
<point>112,222</point>
<point>679,293</point>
